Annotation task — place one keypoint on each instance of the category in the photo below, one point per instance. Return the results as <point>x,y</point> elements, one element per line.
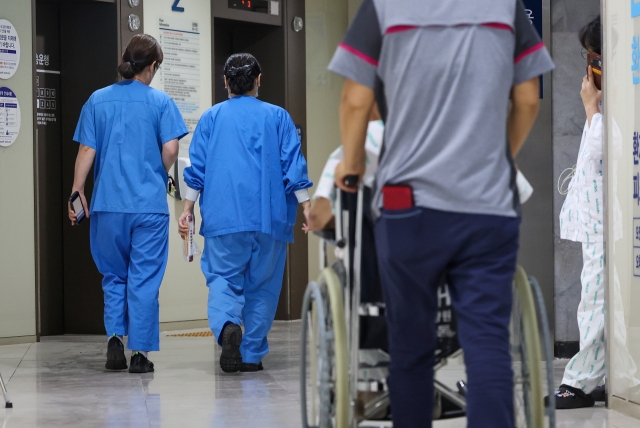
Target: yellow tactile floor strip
<point>196,334</point>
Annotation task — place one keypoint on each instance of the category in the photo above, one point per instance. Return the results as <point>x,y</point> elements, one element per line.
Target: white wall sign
<point>186,75</point>
<point>9,49</point>
<point>186,72</point>
<point>180,73</point>
<point>9,117</point>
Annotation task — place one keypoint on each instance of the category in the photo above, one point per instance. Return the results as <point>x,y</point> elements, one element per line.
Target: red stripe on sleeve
<point>528,52</point>
<point>400,28</point>
<point>366,58</point>
<point>498,26</point>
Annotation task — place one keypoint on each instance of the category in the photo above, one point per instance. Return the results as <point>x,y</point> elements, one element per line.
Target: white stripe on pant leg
<point>586,369</point>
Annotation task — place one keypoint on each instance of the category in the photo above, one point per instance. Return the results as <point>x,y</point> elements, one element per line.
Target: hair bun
<point>238,71</point>
<point>145,49</point>
<point>241,70</point>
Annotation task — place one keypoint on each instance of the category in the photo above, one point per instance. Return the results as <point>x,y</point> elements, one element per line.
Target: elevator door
<point>76,53</point>
<point>89,52</point>
<point>280,51</point>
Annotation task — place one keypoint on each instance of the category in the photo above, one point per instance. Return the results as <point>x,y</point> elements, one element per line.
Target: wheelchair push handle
<point>351,180</point>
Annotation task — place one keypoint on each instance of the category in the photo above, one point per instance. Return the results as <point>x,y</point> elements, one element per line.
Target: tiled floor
<point>61,382</point>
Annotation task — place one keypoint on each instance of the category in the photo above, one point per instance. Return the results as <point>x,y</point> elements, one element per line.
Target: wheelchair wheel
<point>324,369</point>
<point>527,357</point>
<point>547,353</point>
<point>315,399</point>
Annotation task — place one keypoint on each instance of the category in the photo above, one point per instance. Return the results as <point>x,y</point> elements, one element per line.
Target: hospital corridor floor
<point>61,382</point>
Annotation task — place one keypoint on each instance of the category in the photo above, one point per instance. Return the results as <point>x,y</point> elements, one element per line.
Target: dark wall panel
<point>296,102</point>
<point>50,199</point>
<point>536,162</point>
<point>89,47</point>
<point>568,17</point>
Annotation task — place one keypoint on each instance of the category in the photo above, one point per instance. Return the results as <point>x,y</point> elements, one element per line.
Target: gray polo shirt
<point>443,72</point>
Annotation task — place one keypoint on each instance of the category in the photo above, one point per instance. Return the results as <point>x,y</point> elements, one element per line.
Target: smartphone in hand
<point>595,61</point>
<point>77,207</point>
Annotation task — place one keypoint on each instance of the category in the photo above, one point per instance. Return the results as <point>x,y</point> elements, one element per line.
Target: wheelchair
<point>344,351</point>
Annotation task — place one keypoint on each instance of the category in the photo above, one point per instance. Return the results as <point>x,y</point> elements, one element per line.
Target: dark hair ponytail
<point>591,36</point>
<point>241,71</point>
<point>141,52</point>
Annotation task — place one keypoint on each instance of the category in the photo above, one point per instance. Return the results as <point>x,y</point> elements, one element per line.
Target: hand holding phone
<point>595,61</point>
<point>77,212</point>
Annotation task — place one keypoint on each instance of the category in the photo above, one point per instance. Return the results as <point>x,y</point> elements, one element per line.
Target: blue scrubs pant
<point>244,274</point>
<point>478,254</point>
<point>131,251</point>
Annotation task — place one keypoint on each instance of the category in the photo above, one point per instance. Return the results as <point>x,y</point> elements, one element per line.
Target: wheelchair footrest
<point>374,385</point>
<point>371,309</point>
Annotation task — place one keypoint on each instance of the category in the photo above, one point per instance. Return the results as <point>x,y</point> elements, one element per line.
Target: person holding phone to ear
<point>582,220</point>
<point>131,131</point>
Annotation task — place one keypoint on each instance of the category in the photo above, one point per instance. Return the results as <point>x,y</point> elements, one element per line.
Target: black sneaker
<point>251,367</point>
<point>230,359</point>
<point>599,393</point>
<point>140,364</point>
<point>568,397</point>
<point>115,355</point>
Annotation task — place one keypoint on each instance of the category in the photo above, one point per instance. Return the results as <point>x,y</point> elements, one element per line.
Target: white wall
<point>622,104</point>
<point>17,250</point>
<point>183,295</point>
<point>326,24</point>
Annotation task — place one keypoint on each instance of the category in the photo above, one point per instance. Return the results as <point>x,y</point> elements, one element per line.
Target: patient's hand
<point>319,215</point>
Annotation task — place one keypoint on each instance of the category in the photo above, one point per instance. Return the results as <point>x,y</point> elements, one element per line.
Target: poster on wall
<point>180,73</point>
<point>9,49</point>
<point>9,117</point>
<point>635,81</point>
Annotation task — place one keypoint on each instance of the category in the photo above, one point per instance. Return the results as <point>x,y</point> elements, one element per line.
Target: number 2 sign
<point>177,8</point>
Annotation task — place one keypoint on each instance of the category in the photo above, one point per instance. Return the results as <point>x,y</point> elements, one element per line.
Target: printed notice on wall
<point>9,117</point>
<point>179,74</point>
<point>9,49</point>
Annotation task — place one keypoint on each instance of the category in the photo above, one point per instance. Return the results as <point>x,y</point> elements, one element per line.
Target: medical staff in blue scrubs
<point>247,164</point>
<point>132,132</point>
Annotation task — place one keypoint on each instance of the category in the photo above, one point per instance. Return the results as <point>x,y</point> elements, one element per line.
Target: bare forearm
<point>591,111</point>
<point>524,110</point>
<point>168,161</point>
<point>354,132</point>
<point>355,107</point>
<point>84,161</point>
<point>170,154</point>
<point>519,126</point>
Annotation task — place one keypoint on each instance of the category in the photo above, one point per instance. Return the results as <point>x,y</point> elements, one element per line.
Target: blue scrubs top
<point>127,124</point>
<point>247,162</point>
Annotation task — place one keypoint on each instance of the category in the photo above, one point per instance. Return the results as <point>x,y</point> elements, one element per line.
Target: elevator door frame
<point>295,102</point>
